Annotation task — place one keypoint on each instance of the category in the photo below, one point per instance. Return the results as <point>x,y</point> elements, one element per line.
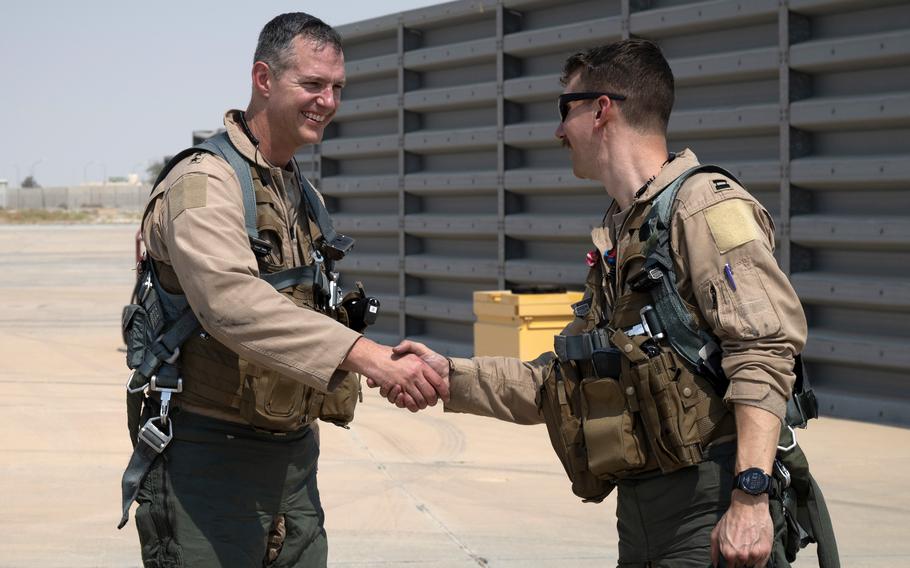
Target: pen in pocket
<point>728,273</point>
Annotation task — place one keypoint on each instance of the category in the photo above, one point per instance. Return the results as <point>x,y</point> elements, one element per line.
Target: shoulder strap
<point>316,210</point>
<point>220,145</point>
<point>696,346</point>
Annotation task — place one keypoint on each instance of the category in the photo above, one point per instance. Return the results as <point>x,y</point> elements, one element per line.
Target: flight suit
<point>227,481</point>
<point>722,241</point>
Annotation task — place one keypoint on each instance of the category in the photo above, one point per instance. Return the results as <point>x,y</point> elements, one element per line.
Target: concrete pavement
<point>398,489</point>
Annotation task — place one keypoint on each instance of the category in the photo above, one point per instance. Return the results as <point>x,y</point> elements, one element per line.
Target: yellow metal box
<point>519,325</point>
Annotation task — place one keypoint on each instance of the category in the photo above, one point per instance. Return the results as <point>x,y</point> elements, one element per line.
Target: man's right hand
<point>402,373</point>
<point>395,394</point>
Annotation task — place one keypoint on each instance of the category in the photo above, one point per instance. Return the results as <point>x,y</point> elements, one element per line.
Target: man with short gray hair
<point>224,466</point>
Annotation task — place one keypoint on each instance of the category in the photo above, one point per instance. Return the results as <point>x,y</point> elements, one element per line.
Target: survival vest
<point>642,388</point>
<point>170,355</point>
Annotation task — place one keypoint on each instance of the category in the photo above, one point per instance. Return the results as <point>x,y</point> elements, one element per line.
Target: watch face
<point>754,481</point>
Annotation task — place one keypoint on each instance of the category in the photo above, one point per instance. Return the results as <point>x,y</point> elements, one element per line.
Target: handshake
<point>409,375</point>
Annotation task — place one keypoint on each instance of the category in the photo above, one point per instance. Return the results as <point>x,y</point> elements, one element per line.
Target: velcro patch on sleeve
<point>189,192</point>
<point>732,224</point>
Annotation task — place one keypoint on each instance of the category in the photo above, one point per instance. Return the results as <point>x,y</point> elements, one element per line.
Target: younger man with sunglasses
<point>680,501</point>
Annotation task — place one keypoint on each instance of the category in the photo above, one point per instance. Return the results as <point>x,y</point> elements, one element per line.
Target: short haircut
<point>276,40</point>
<point>634,68</point>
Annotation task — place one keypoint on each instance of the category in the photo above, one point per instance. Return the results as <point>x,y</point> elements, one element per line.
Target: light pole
<point>31,169</point>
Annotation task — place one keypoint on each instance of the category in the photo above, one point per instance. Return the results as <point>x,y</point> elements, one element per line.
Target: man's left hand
<point>745,533</point>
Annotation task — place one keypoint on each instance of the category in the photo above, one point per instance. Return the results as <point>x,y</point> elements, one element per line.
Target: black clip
<point>261,247</point>
<point>646,279</point>
<point>338,247</point>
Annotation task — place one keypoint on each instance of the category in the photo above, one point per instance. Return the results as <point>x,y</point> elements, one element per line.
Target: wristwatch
<point>753,481</point>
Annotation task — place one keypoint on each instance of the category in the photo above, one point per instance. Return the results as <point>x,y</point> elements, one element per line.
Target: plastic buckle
<point>134,390</point>
<point>646,279</point>
<point>154,436</point>
<point>153,385</point>
<point>793,444</point>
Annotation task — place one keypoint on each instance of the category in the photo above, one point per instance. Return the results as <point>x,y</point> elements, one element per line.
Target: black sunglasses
<point>566,98</point>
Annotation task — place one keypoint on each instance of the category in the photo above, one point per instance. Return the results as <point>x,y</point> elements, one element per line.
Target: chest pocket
<point>273,229</point>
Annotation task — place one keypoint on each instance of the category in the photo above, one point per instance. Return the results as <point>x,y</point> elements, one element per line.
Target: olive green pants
<point>213,497</point>
<point>665,521</point>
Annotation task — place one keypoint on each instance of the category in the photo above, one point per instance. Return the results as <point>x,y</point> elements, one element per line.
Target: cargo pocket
<point>744,313</point>
<point>271,401</point>
<point>270,225</point>
<point>337,407</point>
<point>612,436</point>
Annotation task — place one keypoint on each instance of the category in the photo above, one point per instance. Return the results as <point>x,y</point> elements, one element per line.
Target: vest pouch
<point>559,403</point>
<point>336,407</point>
<point>612,433</point>
<point>671,429</point>
<point>271,401</point>
<point>135,327</point>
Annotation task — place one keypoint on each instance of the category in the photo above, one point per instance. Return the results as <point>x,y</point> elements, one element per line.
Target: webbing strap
<point>317,208</point>
<point>826,549</point>
<point>290,277</point>
<point>683,334</point>
<point>220,144</point>
<point>138,467</point>
<point>166,346</point>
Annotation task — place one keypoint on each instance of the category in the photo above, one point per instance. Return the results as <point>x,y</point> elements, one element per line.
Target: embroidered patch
<point>189,192</point>
<point>732,224</point>
<point>720,184</point>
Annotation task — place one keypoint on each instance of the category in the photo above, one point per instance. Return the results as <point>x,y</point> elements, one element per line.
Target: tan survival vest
<point>621,400</point>
<point>215,378</point>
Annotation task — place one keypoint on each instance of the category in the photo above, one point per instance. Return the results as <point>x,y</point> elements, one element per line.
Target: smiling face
<point>304,98</point>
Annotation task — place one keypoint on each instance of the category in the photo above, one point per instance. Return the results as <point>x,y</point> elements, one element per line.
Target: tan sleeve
<point>198,228</point>
<point>753,310</point>
<point>499,387</point>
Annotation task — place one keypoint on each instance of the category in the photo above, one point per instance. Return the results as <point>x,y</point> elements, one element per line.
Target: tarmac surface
<point>398,489</point>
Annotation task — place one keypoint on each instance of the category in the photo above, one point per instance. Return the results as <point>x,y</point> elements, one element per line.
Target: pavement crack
<point>419,504</point>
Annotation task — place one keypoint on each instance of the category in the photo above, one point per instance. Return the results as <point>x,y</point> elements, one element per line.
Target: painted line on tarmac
<point>421,506</point>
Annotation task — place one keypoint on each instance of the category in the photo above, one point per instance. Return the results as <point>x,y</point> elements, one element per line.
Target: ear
<point>262,78</point>
<point>604,106</point>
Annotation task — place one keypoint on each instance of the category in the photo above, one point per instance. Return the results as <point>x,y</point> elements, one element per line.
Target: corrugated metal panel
<point>444,162</point>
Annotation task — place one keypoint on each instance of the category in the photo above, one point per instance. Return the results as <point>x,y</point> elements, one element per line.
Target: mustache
<point>565,143</point>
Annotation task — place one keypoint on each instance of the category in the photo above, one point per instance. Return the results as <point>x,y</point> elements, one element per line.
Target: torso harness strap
<point>160,322</point>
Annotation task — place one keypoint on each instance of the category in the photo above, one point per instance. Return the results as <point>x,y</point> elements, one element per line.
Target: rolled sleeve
<point>725,258</point>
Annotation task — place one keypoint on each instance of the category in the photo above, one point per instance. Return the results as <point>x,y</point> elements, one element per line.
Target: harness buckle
<point>153,385</point>
<point>646,279</point>
<point>154,436</point>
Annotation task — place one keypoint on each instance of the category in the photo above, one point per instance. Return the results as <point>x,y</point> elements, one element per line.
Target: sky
<point>95,88</point>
